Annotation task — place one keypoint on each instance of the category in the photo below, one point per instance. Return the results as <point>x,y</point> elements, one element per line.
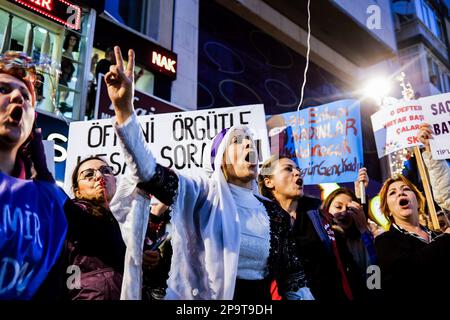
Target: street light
<point>377,88</point>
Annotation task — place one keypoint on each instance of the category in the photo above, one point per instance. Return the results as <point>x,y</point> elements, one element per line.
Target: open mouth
<point>16,114</point>
<point>252,158</point>
<point>403,203</point>
<point>299,182</point>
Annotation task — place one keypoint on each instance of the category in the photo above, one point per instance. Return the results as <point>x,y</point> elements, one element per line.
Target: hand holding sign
<point>120,84</point>
<point>361,183</point>
<point>424,135</point>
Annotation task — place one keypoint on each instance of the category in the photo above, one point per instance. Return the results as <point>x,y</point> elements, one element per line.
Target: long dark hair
<point>76,48</point>
<point>334,194</point>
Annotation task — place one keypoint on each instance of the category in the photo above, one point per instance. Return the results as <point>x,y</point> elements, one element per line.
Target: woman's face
<point>240,158</point>
<point>285,181</point>
<point>95,181</point>
<point>339,209</point>
<point>402,202</point>
<point>16,111</point>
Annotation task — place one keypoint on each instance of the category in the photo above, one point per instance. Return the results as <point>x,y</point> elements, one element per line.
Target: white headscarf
<point>206,237</point>
<point>205,224</point>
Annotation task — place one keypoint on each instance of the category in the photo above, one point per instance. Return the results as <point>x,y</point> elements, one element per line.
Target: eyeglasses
<point>89,174</point>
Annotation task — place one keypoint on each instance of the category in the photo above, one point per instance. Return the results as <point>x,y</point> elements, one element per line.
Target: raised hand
<point>362,177</point>
<point>358,216</point>
<point>120,84</point>
<point>424,135</point>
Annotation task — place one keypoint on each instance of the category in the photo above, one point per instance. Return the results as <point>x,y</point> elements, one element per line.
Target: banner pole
<point>427,188</point>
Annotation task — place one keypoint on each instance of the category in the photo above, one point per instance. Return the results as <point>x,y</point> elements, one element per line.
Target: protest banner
<point>144,104</point>
<point>177,140</point>
<point>395,127</point>
<point>436,111</point>
<point>326,141</point>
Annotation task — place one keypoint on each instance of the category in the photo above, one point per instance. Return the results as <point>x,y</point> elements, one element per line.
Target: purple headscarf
<point>216,143</point>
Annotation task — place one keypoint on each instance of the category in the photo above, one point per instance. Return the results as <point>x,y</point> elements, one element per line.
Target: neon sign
<point>60,11</point>
<point>164,63</point>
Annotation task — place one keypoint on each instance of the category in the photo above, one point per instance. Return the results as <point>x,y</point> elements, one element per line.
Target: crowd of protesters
<point>238,233</point>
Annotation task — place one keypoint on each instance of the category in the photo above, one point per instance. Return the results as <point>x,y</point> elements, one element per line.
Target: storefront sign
<point>165,64</point>
<point>60,11</point>
<point>149,55</point>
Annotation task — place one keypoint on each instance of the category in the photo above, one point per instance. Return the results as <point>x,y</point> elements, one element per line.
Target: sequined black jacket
<point>283,264</point>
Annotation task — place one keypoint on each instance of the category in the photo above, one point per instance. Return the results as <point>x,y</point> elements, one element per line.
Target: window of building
<point>435,74</point>
<point>140,15</point>
<point>100,63</point>
<point>428,15</point>
<point>47,42</point>
<point>37,42</point>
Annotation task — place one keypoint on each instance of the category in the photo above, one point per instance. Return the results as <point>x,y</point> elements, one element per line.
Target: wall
<point>357,9</point>
<point>185,45</point>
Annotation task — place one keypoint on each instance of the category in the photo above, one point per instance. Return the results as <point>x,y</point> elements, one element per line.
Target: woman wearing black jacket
<point>327,262</point>
<point>414,260</point>
<point>94,241</point>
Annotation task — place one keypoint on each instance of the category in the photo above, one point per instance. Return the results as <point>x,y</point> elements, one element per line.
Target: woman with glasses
<point>94,243</point>
<point>36,216</point>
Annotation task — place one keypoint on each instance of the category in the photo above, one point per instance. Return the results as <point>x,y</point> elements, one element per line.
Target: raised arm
<point>144,171</point>
<point>120,83</point>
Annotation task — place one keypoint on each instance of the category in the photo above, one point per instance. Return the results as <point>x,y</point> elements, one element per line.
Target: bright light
<point>328,188</point>
<point>377,214</point>
<point>377,89</point>
<point>42,30</point>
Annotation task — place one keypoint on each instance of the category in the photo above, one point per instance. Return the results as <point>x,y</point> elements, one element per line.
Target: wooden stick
<point>426,187</point>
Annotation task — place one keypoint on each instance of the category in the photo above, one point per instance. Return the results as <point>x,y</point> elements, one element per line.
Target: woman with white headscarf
<point>227,242</point>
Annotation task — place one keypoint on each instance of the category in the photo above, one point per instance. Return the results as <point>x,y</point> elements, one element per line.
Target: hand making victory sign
<point>120,84</point>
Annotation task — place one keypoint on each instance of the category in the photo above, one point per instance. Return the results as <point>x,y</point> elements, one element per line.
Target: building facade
<point>422,32</point>
<point>73,36</point>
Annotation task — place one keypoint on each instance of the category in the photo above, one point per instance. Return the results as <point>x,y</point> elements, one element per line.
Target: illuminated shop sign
<point>60,11</point>
<point>165,62</point>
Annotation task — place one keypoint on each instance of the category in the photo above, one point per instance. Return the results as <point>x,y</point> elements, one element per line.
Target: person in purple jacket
<point>32,221</point>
